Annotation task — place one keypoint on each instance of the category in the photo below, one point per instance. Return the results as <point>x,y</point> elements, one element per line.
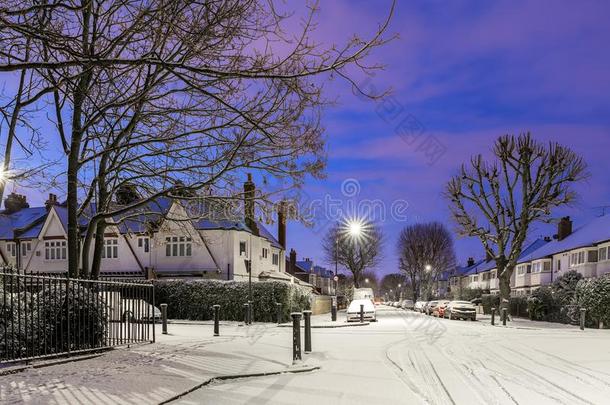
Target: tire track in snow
<point>542,378</point>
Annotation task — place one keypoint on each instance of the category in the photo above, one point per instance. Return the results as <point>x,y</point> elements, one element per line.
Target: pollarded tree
<point>355,251</point>
<point>498,200</point>
<point>425,251</point>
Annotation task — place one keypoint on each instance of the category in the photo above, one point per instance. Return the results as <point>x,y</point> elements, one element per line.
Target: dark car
<point>431,307</point>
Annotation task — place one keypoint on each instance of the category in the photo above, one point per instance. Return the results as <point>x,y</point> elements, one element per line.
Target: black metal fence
<point>45,316</point>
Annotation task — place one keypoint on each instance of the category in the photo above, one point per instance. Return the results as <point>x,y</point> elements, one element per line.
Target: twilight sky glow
<point>467,72</point>
<point>462,73</point>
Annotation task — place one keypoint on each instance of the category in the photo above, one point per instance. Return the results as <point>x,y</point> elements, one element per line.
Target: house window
<point>144,243</point>
<point>265,253</point>
<point>55,250</point>
<point>602,254</point>
<point>11,248</point>
<point>275,259</point>
<point>111,248</point>
<point>558,265</point>
<point>581,257</point>
<point>26,247</point>
<point>591,256</point>
<point>242,248</point>
<point>178,246</point>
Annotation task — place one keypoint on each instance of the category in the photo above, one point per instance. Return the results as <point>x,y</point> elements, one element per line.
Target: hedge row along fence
<point>193,299</point>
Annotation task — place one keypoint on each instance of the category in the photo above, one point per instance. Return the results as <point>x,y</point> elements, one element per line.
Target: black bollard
<point>216,320</point>
<point>504,316</point>
<point>307,317</point>
<point>164,319</point>
<point>333,309</point>
<point>246,313</point>
<point>493,316</point>
<point>361,313</point>
<point>278,306</point>
<point>583,311</point>
<point>249,312</point>
<point>296,337</point>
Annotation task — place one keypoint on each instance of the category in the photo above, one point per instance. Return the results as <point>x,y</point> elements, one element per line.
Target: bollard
<point>216,319</point>
<point>296,337</point>
<point>333,309</point>
<point>582,318</point>
<point>246,312</point>
<point>361,313</point>
<point>278,306</point>
<point>493,316</point>
<point>504,316</point>
<point>250,312</point>
<point>164,319</point>
<point>307,317</point>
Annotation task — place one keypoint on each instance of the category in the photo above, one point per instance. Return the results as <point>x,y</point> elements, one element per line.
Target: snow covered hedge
<point>193,299</point>
<point>36,323</point>
<point>594,295</point>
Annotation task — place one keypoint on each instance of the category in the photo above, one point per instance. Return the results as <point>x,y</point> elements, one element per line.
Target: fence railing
<point>44,316</point>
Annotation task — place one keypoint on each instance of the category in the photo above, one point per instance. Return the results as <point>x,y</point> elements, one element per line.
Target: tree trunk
<point>96,262</point>
<point>504,288</point>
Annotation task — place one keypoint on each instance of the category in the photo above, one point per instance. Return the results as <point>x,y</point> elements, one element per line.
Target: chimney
<point>281,224</point>
<point>15,202</point>
<point>249,195</point>
<point>293,261</point>
<point>564,228</point>
<point>470,261</point>
<point>51,201</point>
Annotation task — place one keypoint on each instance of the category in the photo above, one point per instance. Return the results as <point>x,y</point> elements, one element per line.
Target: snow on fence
<point>48,316</point>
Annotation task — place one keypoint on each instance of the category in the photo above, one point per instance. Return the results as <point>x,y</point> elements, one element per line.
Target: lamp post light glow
<point>428,267</point>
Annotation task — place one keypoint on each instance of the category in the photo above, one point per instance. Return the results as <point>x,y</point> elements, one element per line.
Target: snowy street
<point>404,358</point>
<point>408,358</point>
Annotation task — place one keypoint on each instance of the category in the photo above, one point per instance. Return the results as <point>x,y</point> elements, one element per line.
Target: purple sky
<point>466,72</point>
<point>462,73</point>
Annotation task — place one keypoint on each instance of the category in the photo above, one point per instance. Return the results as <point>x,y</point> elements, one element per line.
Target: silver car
<point>461,310</point>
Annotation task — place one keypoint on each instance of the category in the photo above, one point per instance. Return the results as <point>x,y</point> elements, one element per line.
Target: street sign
<point>336,278</point>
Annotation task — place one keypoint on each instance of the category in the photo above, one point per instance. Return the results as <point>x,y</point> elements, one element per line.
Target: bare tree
<point>392,285</point>
<point>424,252</point>
<point>354,253</point>
<point>161,91</point>
<point>497,201</point>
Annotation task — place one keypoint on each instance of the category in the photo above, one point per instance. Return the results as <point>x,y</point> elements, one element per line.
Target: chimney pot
<point>15,202</point>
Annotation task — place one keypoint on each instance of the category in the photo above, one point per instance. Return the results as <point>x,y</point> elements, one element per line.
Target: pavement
<point>404,358</point>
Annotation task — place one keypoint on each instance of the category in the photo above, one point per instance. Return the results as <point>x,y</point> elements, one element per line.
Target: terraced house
<point>585,249</point>
<point>156,241</point>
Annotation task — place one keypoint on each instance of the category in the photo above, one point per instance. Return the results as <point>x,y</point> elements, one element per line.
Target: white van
<point>363,293</point>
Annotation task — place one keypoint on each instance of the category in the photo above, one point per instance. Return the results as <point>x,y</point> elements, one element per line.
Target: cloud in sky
<point>469,72</point>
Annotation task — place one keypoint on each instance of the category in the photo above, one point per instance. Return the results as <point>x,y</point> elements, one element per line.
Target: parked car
<point>461,310</point>
<point>431,307</point>
<point>419,306</point>
<point>407,304</point>
<point>134,310</point>
<point>353,311</point>
<point>440,308</point>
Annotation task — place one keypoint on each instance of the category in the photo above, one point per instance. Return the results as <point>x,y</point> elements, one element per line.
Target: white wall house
<point>585,250</point>
<point>34,240</point>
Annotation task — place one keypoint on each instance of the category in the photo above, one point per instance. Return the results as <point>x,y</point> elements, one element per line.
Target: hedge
<point>33,324</point>
<point>594,295</point>
<point>193,299</point>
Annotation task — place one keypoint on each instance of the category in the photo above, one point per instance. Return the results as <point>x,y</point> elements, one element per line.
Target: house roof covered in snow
<point>482,266</point>
<point>592,233</point>
<point>23,224</point>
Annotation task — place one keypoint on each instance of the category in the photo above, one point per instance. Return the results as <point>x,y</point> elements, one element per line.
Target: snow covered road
<point>408,358</point>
